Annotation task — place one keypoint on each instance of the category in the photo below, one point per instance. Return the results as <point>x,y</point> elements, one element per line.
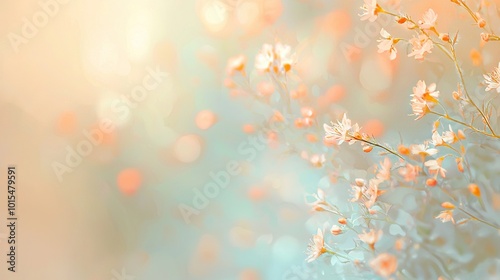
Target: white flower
<point>387,44</point>
<point>278,58</point>
<point>370,10</point>
<point>423,150</point>
<point>342,131</point>
<point>429,20</point>
<point>492,79</point>
<point>265,58</point>
<point>436,139</point>
<point>419,108</point>
<point>421,45</point>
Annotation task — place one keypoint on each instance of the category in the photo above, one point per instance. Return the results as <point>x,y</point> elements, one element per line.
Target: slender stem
<point>465,89</point>
<point>380,146</point>
<point>479,219</point>
<point>464,124</point>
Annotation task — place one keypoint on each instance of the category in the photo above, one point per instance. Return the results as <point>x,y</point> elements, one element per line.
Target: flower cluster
<point>440,170</point>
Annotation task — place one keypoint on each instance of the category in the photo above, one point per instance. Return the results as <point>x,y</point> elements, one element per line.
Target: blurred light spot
<point>248,128</point>
<point>248,12</point>
<point>166,55</point>
<point>265,88</point>
<point>272,10</point>
<point>188,148</point>
<point>112,107</point>
<point>286,248</point>
<point>138,36</point>
<point>214,15</point>
<point>256,193</point>
<point>336,22</point>
<point>249,274</point>
<point>66,123</point>
<point>374,127</point>
<point>129,180</point>
<point>375,74</point>
<point>242,237</point>
<point>205,119</point>
<point>205,256</point>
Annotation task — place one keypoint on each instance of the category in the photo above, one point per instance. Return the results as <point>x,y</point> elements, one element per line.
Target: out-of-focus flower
<point>265,58</point>
<point>435,166</point>
<point>320,203</point>
<point>285,57</point>
<point>485,36</point>
<point>446,216</point>
<point>372,192</point>
<point>387,44</point>
<point>336,230</point>
<point>342,131</point>
<point>384,172</point>
<point>370,237</point>
<point>236,64</point>
<point>317,160</point>
<point>370,10</point>
<point>384,264</point>
<point>421,45</point>
<point>342,221</point>
<point>445,37</point>
<point>460,164</point>
<point>429,20</point>
<point>278,58</point>
<point>317,247</point>
<point>409,172</point>
<point>492,79</point>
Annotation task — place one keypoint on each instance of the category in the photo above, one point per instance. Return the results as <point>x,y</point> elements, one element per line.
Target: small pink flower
<point>384,172</point>
<point>410,172</point>
<point>236,64</point>
<point>435,166</point>
<point>370,238</point>
<point>317,247</point>
<point>449,136</point>
<point>421,45</point>
<point>446,216</point>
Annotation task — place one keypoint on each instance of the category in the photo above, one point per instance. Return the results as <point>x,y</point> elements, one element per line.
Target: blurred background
<point>116,115</point>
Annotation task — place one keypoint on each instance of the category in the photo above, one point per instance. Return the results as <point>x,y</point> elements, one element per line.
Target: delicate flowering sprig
<point>344,131</point>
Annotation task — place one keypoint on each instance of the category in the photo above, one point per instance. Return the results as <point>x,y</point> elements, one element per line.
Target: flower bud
<point>342,221</point>
<point>447,205</point>
<point>336,230</point>
<point>431,182</point>
<point>444,37</point>
<point>367,149</point>
<point>474,189</point>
